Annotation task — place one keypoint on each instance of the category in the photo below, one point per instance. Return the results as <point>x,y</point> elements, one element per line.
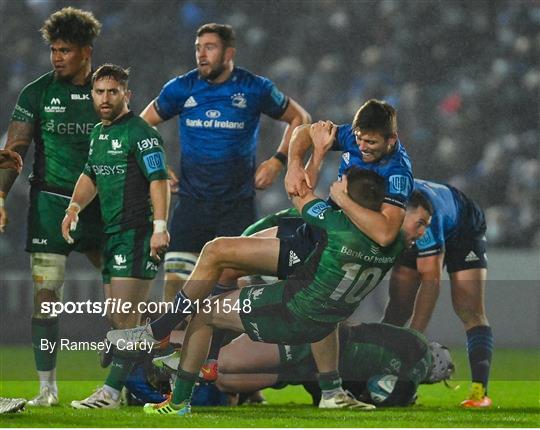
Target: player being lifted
<point>126,169</point>
<point>343,268</point>
<point>55,111</point>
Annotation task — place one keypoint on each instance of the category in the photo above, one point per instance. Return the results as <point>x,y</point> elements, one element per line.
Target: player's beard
<point>215,71</point>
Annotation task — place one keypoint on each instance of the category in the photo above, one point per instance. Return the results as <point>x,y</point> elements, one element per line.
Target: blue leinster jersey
<point>395,167</point>
<point>447,208</point>
<point>219,126</point>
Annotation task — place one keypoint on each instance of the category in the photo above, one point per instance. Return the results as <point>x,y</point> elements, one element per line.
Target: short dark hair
<point>420,200</point>
<point>108,70</point>
<point>71,25</point>
<point>365,187</point>
<point>224,31</point>
<point>376,115</point>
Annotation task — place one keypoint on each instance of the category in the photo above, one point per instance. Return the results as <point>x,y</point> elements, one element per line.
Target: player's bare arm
<point>84,192</point>
<point>160,196</point>
<point>323,135</point>
<point>150,115</point>
<point>381,227</point>
<point>19,138</point>
<point>297,183</point>
<point>10,160</point>
<point>268,170</point>
<point>430,270</point>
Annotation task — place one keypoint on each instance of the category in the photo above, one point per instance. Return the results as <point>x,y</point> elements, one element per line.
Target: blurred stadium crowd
<point>464,76</point>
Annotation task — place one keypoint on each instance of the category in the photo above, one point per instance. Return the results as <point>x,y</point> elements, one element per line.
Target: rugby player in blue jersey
<point>218,106</point>
<point>456,237</point>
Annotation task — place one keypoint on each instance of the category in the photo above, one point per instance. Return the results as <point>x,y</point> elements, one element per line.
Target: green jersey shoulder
<point>124,158</point>
<point>63,117</point>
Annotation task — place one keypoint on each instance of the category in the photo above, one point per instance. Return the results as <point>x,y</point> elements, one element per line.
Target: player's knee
<point>48,272</point>
<point>470,316</point>
<point>214,250</point>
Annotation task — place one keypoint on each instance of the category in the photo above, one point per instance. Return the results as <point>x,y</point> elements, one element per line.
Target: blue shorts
<point>195,222</point>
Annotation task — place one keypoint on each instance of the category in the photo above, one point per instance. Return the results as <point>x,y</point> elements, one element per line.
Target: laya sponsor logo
<point>146,144</point>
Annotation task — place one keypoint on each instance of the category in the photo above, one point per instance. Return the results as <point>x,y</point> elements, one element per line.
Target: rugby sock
<point>330,384</point>
<point>45,329</point>
<point>47,378</point>
<point>183,388</point>
<point>121,366</point>
<point>182,307</point>
<point>480,351</point>
<point>217,340</point>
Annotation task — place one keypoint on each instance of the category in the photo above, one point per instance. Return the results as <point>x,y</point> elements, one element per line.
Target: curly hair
<point>71,25</point>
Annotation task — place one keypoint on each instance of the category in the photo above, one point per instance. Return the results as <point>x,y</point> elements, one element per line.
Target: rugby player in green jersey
<point>402,357</point>
<point>55,111</point>
<point>126,168</point>
<point>343,268</point>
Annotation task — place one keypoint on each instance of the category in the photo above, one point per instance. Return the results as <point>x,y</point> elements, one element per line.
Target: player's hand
<point>173,180</point>
<point>10,160</point>
<point>323,134</point>
<point>69,223</point>
<point>338,191</point>
<point>267,172</point>
<point>3,219</point>
<point>159,242</point>
<point>297,181</point>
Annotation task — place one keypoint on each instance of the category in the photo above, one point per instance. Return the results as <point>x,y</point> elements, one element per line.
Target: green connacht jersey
<point>63,116</point>
<point>124,158</point>
<point>343,269</point>
<point>383,349</point>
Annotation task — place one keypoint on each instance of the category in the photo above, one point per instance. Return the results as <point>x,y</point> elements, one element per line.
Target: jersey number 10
<point>356,289</point>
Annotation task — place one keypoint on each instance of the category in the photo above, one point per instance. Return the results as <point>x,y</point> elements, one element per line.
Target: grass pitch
<point>515,390</point>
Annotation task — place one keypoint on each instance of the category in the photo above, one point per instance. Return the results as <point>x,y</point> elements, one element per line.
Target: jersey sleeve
<point>399,187</point>
<point>26,108</point>
<point>320,214</point>
<point>148,150</point>
<point>344,133</point>
<point>172,97</point>
<point>272,101</point>
<point>432,242</point>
